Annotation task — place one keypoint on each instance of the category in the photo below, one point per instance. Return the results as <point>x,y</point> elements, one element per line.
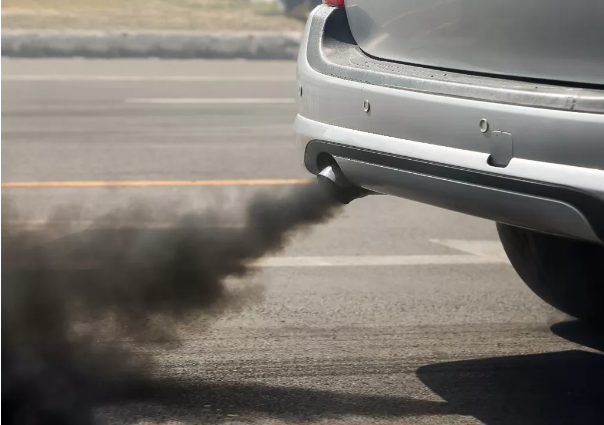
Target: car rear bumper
<point>539,164</point>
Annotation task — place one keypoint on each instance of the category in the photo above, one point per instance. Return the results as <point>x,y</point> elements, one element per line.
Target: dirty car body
<point>492,108</point>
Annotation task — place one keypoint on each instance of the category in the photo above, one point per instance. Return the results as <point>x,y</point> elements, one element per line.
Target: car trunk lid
<point>552,40</point>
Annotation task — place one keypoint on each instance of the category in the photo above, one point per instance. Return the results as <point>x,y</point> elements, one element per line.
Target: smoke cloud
<point>75,307</point>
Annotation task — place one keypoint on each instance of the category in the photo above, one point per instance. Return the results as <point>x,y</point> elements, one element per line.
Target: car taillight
<point>334,3</point>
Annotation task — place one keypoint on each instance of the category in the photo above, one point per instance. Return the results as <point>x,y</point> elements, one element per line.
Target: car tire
<point>566,273</point>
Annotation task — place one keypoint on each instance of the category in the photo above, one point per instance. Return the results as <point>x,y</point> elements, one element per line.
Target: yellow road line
<point>144,183</point>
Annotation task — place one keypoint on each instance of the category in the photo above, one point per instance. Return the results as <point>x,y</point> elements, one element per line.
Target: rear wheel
<point>566,273</point>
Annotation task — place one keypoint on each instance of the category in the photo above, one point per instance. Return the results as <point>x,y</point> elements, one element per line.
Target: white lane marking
<point>369,260</point>
<point>211,101</point>
<point>144,78</point>
<point>480,248</point>
<point>352,261</point>
<point>481,251</point>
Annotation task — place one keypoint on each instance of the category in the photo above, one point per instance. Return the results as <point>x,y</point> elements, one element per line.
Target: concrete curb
<point>169,45</point>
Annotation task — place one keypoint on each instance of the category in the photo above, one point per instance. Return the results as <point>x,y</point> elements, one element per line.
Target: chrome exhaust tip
<point>333,181</point>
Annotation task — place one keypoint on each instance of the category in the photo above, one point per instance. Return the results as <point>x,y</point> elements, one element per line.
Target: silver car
<point>492,108</point>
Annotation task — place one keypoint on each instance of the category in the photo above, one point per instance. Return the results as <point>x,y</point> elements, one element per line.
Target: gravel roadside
<point>177,29</point>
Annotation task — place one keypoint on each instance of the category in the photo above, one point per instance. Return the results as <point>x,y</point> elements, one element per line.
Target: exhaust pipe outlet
<point>333,181</point>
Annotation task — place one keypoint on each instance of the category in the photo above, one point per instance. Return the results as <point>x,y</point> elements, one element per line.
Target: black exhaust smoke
<point>75,308</point>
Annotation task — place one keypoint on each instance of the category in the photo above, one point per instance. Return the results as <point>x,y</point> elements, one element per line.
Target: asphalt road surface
<point>393,312</point>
